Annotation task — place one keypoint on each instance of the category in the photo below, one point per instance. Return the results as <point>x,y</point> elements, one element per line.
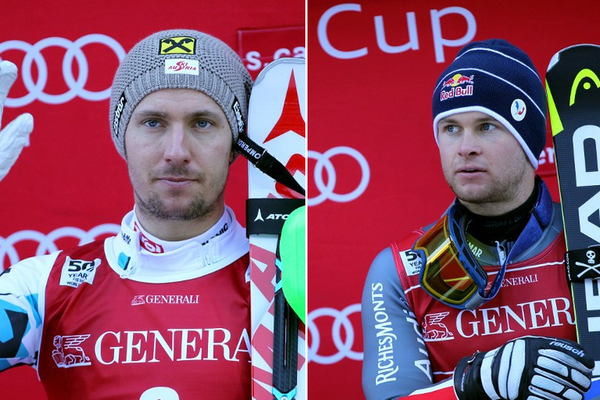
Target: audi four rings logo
<point>74,50</point>
<point>341,325</point>
<point>47,243</point>
<point>324,164</point>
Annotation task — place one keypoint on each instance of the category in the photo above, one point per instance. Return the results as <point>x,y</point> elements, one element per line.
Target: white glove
<point>16,134</point>
<point>531,367</point>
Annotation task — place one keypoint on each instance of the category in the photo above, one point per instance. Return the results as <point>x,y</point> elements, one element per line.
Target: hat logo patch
<point>178,45</point>
<point>237,109</point>
<point>118,113</point>
<point>518,109</point>
<point>457,86</point>
<point>182,66</point>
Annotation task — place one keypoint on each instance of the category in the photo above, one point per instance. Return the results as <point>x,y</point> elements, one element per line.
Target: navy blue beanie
<point>498,79</point>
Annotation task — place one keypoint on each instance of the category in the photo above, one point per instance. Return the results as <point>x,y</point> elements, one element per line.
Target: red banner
<point>258,47</point>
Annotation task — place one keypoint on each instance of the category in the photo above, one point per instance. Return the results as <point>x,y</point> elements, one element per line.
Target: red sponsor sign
<point>258,47</point>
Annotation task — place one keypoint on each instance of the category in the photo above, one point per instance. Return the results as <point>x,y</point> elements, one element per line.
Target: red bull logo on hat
<point>458,85</point>
<point>458,79</point>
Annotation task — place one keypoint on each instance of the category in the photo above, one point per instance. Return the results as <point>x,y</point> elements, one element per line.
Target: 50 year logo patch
<point>76,272</point>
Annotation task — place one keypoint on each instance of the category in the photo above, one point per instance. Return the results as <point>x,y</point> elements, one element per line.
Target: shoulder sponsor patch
<point>412,263</point>
<point>76,272</point>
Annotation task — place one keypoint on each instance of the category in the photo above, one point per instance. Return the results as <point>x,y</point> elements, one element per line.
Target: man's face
<point>179,148</point>
<point>483,163</point>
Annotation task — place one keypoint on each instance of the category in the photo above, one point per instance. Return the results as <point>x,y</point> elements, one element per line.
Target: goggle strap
<point>475,301</point>
<point>467,258</point>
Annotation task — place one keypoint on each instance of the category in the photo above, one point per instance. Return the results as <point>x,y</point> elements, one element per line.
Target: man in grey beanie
<point>162,310</point>
<point>180,59</point>
<point>447,312</point>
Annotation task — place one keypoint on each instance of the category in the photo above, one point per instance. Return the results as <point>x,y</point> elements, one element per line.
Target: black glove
<point>531,367</point>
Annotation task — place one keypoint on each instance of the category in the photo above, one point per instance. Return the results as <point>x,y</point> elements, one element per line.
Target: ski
<point>276,124</point>
<point>573,90</point>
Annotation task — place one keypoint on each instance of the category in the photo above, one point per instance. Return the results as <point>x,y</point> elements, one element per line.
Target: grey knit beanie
<point>180,59</point>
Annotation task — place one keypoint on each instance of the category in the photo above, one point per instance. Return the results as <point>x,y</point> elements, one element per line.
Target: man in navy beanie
<point>477,304</point>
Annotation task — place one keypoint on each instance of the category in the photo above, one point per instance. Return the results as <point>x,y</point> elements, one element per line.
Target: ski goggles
<point>450,272</point>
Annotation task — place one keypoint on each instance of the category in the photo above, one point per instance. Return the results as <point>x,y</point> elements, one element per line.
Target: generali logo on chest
<point>526,316</point>
<point>151,346</point>
<point>144,299</point>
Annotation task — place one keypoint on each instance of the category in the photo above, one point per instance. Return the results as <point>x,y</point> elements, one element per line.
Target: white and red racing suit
<point>134,317</point>
<point>413,342</point>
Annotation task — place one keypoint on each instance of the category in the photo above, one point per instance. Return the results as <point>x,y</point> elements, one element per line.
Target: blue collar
<point>541,216</point>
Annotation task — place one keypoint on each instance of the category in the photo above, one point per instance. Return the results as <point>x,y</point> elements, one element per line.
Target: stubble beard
<point>489,194</point>
<point>495,192</point>
<point>199,207</point>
